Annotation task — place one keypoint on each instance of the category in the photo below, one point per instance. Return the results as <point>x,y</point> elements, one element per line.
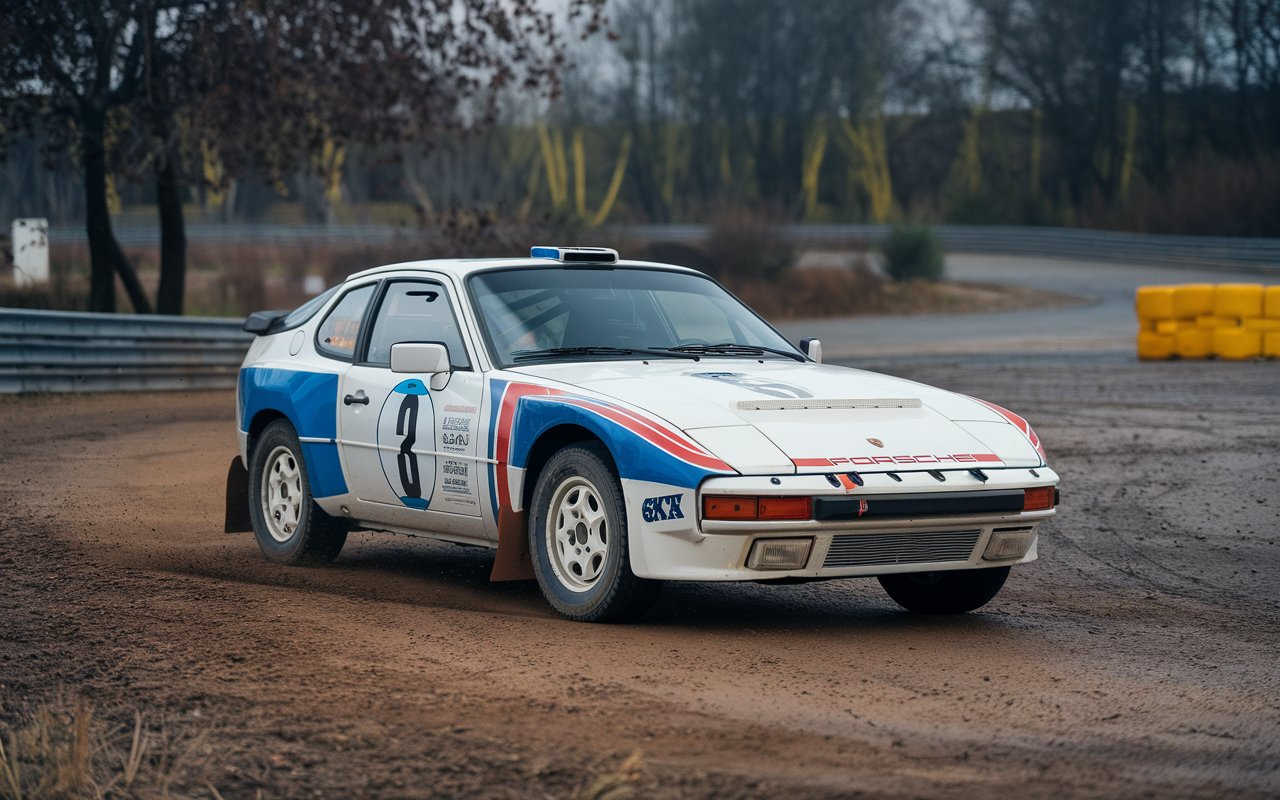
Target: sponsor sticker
<point>662,508</point>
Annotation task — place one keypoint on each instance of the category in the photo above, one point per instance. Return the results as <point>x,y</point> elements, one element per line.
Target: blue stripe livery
<point>636,457</point>
<point>411,386</point>
<point>496,388</point>
<point>310,401</point>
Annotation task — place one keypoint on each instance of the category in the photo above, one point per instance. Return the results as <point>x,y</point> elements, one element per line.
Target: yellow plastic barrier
<point>1236,344</point>
<point>1155,302</point>
<point>1271,345</point>
<point>1271,302</point>
<point>1233,321</point>
<point>1192,300</point>
<point>1193,343</point>
<point>1154,346</point>
<point>1210,323</point>
<point>1238,300</point>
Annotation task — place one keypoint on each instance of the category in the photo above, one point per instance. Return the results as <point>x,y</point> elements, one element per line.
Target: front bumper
<point>713,550</point>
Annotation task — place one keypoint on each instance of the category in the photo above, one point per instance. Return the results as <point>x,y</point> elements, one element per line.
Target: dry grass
<point>813,292</point>
<point>959,297</point>
<point>236,279</point>
<point>1207,195</point>
<point>613,785</point>
<point>64,750</point>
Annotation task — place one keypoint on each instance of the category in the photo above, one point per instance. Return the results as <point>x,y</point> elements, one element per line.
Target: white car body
<point>678,431</point>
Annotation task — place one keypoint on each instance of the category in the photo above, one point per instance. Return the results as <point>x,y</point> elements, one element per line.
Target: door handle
<point>357,399</point>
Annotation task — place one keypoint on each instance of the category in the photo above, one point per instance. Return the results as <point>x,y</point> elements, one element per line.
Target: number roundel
<point>406,436</point>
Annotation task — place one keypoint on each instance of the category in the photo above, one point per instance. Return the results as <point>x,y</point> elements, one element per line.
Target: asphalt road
<point>1105,323</point>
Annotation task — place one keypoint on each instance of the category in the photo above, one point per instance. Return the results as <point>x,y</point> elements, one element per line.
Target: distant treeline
<point>1149,115</point>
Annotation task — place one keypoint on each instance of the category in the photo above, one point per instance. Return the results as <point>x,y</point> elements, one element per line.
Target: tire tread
<point>952,592</point>
<point>627,597</point>
<point>320,536</point>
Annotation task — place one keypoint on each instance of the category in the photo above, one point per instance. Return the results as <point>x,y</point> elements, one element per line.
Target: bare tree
<point>267,84</point>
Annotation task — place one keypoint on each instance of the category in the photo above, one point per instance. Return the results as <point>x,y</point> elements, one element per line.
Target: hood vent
<point>817,404</point>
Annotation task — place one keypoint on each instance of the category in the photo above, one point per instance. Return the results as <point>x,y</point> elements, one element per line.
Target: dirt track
<point>1137,658</point>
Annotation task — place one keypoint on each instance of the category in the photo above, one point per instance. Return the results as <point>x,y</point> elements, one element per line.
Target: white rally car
<point>605,425</point>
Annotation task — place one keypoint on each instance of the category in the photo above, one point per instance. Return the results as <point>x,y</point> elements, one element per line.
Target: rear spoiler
<point>260,323</point>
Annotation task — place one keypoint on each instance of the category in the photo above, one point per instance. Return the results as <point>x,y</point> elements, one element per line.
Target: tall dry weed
<point>64,750</point>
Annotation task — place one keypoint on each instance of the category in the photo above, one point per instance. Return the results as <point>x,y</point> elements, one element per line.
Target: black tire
<point>580,583</point>
<point>315,538</point>
<point>953,592</point>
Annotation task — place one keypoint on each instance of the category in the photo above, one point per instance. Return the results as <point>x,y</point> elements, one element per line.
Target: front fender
<point>644,449</point>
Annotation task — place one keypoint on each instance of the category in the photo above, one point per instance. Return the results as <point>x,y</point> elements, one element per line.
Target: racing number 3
<point>407,426</point>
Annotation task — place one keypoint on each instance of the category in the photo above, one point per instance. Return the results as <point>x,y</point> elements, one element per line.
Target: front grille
<point>870,549</point>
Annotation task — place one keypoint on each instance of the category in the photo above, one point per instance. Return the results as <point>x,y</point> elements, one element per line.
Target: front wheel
<point>953,592</point>
<point>578,539</point>
<point>289,526</point>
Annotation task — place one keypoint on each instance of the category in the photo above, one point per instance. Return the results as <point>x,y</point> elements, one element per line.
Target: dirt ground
<point>1137,658</point>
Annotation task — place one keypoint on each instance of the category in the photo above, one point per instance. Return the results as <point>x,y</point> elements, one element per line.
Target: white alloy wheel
<point>578,538</point>
<point>282,494</point>
<point>289,526</point>
<point>577,534</point>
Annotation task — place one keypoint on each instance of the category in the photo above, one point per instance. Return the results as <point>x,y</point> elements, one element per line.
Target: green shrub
<point>912,252</point>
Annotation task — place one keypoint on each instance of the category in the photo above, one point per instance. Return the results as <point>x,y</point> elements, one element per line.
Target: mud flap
<point>237,518</point>
<point>512,562</point>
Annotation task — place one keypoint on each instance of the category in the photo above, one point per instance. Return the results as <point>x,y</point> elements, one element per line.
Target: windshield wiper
<point>596,350</point>
<point>732,349</point>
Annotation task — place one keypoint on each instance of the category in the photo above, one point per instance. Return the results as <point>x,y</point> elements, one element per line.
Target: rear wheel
<point>289,526</point>
<point>578,539</point>
<point>952,592</point>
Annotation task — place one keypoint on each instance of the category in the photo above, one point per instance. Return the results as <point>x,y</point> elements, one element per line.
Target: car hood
<point>777,416</point>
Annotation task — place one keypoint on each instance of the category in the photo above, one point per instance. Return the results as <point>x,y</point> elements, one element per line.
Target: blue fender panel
<point>636,457</point>
<point>310,401</point>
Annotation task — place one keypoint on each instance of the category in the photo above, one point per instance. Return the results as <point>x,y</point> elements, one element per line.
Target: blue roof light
<point>576,255</point>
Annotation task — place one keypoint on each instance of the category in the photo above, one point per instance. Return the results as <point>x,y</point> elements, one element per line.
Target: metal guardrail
<point>1238,253</point>
<point>60,351</point>
<point>52,351</point>
<point>1250,254</point>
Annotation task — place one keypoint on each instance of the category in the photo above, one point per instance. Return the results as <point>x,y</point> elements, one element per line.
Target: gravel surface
<point>1138,657</point>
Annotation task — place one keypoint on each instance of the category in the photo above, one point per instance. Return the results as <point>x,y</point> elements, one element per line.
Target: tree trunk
<point>102,243</point>
<point>105,256</point>
<point>128,277</point>
<point>173,237</point>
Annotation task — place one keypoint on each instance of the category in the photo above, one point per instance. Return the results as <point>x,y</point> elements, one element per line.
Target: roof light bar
<point>576,255</point>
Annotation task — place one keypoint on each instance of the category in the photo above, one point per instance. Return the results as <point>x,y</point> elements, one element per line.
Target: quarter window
<point>340,330</point>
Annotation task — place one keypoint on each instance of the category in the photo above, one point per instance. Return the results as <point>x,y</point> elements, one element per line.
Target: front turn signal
<point>750,507</point>
<point>1042,498</point>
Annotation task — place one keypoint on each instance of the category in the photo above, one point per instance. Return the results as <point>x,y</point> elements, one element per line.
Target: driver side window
<point>415,311</point>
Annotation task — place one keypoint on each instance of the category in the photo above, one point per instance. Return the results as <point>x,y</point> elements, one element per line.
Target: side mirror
<point>812,348</point>
<point>420,357</point>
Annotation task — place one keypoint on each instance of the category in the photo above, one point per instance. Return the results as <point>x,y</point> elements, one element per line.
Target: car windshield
<point>544,314</point>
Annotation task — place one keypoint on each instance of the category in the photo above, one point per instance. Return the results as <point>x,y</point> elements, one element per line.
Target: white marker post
<point>30,252</point>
